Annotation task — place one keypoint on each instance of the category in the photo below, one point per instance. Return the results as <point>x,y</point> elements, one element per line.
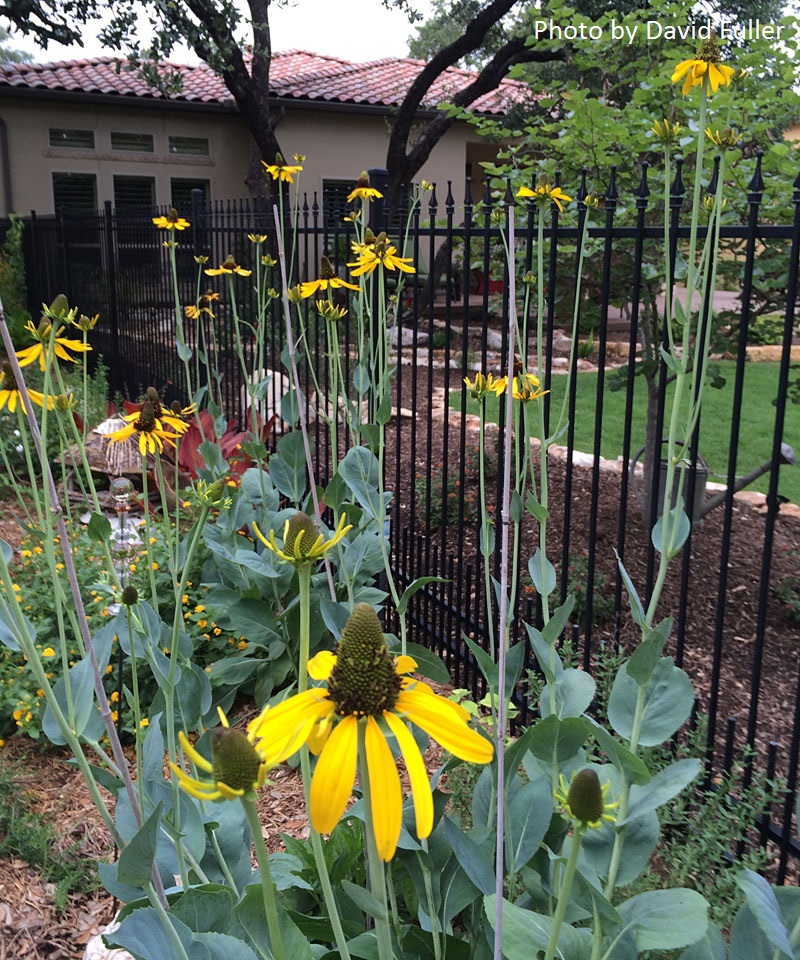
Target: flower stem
<point>563,893</point>
<point>267,885</point>
<point>304,590</point>
<point>304,580</point>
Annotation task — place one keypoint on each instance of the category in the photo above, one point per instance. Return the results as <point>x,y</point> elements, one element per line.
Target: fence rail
<point>730,634</point>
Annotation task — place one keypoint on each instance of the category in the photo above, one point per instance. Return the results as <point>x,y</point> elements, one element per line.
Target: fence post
<point>197,240</point>
<point>378,208</point>
<point>111,274</point>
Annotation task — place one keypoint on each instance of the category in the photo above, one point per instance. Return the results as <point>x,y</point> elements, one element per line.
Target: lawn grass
<point>756,422</point>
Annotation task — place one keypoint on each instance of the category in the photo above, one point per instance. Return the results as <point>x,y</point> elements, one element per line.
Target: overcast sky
<point>356,30</point>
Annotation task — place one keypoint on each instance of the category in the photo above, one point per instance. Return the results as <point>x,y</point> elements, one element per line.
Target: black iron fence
<point>732,633</point>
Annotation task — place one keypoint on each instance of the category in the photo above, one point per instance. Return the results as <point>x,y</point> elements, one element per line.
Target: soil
<point>29,927</point>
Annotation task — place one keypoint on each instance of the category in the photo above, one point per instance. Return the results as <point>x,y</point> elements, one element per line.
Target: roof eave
<point>115,99</point>
<point>206,106</point>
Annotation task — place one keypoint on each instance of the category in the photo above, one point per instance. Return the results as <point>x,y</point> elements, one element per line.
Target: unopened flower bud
<point>129,596</point>
<point>236,763</point>
<point>60,306</point>
<point>585,797</point>
<point>301,534</point>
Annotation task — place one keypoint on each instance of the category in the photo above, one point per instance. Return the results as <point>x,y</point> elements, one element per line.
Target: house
<point>76,134</point>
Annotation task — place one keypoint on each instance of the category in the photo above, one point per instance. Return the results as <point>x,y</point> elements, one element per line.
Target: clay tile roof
<point>294,74</point>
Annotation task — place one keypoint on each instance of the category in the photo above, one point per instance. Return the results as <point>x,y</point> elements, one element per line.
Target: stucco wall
<point>337,145</point>
<point>32,160</point>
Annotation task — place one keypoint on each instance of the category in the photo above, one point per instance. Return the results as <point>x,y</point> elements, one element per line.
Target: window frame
<point>75,176</point>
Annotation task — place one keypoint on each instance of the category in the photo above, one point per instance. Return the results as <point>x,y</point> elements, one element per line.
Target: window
<point>334,202</point>
<point>134,192</point>
<point>73,139</point>
<point>74,192</point>
<point>182,193</point>
<point>132,142</point>
<point>189,146</point>
<point>335,205</point>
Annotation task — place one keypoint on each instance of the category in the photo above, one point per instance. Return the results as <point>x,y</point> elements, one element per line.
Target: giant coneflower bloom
<point>366,686</point>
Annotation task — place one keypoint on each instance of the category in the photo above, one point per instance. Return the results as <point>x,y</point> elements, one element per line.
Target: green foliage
<point>702,829</point>
<point>12,281</point>
<point>26,835</point>
<point>766,330</point>
<point>602,594</point>
<point>788,591</point>
<point>15,433</point>
<point>439,499</point>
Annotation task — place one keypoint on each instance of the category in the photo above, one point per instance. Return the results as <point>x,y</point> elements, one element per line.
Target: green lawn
<point>756,426</point>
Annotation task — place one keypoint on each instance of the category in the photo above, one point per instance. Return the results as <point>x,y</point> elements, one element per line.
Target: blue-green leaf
<point>637,610</point>
<point>557,738</point>
<point>708,947</point>
<point>665,785</point>
<point>135,863</point>
<point>679,530</point>
<point>572,691</point>
<point>644,658</point>
<point>761,901</point>
<point>476,859</point>
<point>99,528</point>
<point>665,919</point>
<point>667,703</point>
<point>359,469</point>
<point>543,580</point>
<point>81,686</point>
<point>412,588</point>
<point>365,900</point>
<point>529,817</point>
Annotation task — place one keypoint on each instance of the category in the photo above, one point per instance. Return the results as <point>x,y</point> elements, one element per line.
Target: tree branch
<point>401,165</point>
<point>49,21</point>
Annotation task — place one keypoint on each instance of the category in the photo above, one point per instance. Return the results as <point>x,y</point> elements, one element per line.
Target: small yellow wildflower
<point>583,799</point>
<point>486,384</point>
<point>48,652</point>
<point>363,190</point>
<point>236,767</point>
<point>327,280</point>
<point>302,542</point>
<point>229,266</point>
<point>381,253</point>
<point>526,387</point>
<point>42,334</point>
<point>171,221</point>
<point>705,70</point>
<point>282,171</point>
<point>724,139</point>
<point>666,132</point>
<point>544,192</point>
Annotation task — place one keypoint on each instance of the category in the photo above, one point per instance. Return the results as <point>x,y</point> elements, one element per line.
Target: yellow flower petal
<point>196,788</point>
<point>334,776</point>
<point>197,758</point>
<point>435,716</point>
<point>387,797</point>
<point>321,665</point>
<point>417,774</point>
<point>405,664</point>
<point>283,729</point>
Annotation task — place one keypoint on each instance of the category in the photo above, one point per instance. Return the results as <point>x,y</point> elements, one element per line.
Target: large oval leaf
<point>667,703</point>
